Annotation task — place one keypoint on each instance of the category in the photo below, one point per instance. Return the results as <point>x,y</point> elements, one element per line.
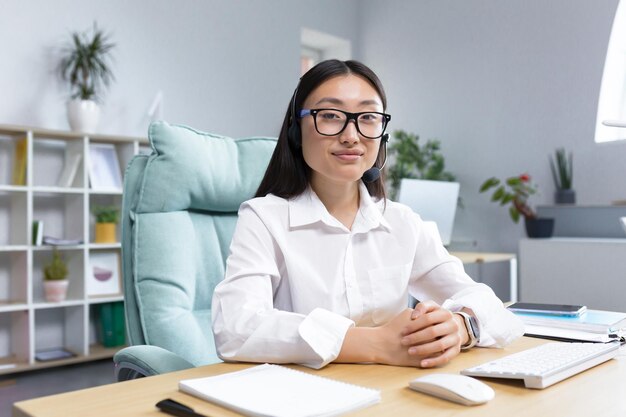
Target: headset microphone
<point>373,173</point>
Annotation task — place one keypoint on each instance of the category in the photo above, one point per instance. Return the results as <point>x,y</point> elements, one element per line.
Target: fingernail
<point>412,351</point>
<point>405,341</point>
<point>425,363</point>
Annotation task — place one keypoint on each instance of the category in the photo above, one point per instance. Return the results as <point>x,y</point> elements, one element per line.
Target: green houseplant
<point>515,192</point>
<point>412,160</point>
<point>55,274</point>
<point>106,221</point>
<point>562,167</point>
<point>85,65</point>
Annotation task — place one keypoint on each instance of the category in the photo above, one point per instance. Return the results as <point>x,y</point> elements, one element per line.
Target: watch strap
<point>472,332</point>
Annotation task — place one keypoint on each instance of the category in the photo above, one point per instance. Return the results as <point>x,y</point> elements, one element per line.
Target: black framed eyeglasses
<point>331,122</point>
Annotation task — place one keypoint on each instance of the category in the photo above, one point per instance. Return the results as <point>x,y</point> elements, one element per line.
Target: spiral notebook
<point>276,391</point>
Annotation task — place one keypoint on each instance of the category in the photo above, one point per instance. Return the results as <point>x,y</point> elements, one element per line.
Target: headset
<point>294,137</point>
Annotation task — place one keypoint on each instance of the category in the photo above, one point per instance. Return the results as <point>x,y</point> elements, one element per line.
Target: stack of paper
<point>273,390</point>
<point>593,325</point>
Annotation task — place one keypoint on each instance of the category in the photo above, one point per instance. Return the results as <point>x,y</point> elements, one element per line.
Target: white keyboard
<point>546,364</point>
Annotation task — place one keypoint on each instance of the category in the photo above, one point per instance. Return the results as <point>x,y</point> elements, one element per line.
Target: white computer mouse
<point>454,387</point>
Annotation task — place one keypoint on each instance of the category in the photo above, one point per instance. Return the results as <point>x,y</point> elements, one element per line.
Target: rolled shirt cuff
<point>324,332</point>
<point>498,326</point>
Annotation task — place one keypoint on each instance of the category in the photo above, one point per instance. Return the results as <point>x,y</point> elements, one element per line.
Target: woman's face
<point>342,158</point>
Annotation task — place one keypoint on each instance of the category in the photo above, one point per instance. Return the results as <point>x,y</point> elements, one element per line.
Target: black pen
<point>175,408</point>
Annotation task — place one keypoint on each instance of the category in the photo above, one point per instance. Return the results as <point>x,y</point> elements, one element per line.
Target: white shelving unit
<point>28,323</point>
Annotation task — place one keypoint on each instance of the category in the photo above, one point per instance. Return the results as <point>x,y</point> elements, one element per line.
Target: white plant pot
<point>55,290</point>
<point>83,115</point>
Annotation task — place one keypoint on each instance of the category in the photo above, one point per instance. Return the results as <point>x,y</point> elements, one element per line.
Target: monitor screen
<point>433,201</point>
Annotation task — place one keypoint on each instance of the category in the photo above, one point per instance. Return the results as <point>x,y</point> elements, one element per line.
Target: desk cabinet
<point>584,271</point>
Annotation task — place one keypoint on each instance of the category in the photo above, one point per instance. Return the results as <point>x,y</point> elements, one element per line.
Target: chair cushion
<point>179,261</point>
<point>184,217</point>
<point>189,169</point>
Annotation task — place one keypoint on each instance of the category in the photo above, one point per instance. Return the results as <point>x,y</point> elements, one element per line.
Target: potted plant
<point>515,191</point>
<point>85,65</point>
<point>412,161</point>
<point>106,220</point>
<point>55,282</point>
<point>562,172</point>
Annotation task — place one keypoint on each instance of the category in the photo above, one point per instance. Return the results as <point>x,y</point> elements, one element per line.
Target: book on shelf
<point>112,324</point>
<point>274,390</point>
<point>49,240</point>
<point>37,239</point>
<point>73,159</point>
<point>19,162</point>
<point>53,354</point>
<point>594,321</point>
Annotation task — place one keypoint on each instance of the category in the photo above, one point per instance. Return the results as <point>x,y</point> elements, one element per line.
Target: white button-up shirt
<point>297,279</point>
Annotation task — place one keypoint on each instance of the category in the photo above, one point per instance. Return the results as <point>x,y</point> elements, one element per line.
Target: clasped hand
<point>426,336</point>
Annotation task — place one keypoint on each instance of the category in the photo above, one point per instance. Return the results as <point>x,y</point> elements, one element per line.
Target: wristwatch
<point>473,331</point>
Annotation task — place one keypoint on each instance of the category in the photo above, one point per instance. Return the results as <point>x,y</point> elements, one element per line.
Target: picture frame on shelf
<point>104,168</point>
<point>103,277</point>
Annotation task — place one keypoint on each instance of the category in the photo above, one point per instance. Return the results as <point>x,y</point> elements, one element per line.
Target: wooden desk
<point>596,392</point>
<point>483,257</point>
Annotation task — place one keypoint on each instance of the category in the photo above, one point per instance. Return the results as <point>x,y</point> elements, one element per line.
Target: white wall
<point>223,66</point>
<point>501,83</point>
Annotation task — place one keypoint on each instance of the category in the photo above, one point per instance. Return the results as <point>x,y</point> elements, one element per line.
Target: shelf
<point>28,323</point>
<point>9,306</point>
<point>58,190</point>
<point>42,305</point>
<point>13,130</point>
<point>94,299</point>
<point>105,192</point>
<point>96,352</point>
<point>13,188</point>
<point>13,248</point>
<point>44,248</point>
<point>104,246</point>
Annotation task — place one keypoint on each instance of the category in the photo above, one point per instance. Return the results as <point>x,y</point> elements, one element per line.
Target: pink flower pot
<point>56,290</point>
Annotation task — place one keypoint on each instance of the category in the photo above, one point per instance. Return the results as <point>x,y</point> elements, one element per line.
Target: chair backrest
<point>178,216</point>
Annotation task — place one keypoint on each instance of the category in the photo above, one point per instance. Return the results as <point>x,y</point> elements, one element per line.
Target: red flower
<point>524,177</point>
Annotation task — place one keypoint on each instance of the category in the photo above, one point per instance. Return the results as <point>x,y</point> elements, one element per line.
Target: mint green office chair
<point>178,215</point>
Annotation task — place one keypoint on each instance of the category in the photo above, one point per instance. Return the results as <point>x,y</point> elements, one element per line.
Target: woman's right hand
<point>387,342</point>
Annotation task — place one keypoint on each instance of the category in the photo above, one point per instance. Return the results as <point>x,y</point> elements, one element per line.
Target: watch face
<point>474,327</point>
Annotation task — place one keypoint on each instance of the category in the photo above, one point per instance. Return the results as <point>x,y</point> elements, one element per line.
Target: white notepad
<point>277,391</point>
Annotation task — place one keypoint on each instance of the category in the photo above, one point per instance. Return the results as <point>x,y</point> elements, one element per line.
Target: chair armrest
<point>144,360</point>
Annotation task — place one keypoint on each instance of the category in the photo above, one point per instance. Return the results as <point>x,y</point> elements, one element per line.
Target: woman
<point>321,265</point>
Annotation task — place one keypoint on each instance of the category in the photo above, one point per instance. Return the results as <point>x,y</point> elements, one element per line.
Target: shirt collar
<point>307,209</point>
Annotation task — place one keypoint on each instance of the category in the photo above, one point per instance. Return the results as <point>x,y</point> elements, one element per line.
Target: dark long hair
<point>287,174</point>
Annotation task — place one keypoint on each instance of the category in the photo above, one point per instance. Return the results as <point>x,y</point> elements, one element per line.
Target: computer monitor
<point>433,201</point>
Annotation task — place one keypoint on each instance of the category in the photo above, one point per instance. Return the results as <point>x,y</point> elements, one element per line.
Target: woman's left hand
<point>435,334</point>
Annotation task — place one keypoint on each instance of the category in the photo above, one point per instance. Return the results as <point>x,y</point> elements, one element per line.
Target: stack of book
<point>590,326</point>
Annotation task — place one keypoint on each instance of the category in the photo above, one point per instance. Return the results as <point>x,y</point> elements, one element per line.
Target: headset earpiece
<point>293,134</point>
